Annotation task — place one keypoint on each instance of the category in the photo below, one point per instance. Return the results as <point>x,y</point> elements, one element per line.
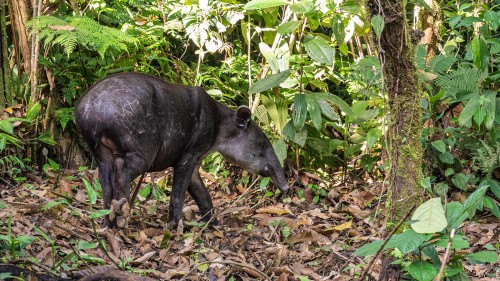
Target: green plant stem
<point>446,256</point>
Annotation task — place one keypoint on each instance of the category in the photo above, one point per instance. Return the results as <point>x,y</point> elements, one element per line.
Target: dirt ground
<point>304,235</point>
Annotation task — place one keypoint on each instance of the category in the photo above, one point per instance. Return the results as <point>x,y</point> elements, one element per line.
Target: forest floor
<point>308,237</point>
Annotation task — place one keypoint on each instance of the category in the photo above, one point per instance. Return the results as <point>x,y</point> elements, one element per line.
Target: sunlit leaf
<point>269,82</point>
<point>429,217</point>
<point>263,4</point>
<point>319,50</point>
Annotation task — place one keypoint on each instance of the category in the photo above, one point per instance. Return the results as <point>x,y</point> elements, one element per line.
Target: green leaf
<point>456,214</point>
<point>302,7</point>
<point>263,4</point>
<point>33,111</point>
<point>203,267</point>
<point>459,242</point>
<point>327,110</point>
<point>446,158</point>
<point>369,249</point>
<point>299,110</point>
<point>474,201</point>
<point>372,137</point>
<point>271,59</point>
<point>6,126</point>
<point>298,137</point>
<point>429,217</point>
<point>378,24</point>
<point>460,180</point>
<point>338,28</point>
<point>145,191</point>
<point>46,138</point>
<point>99,213</point>
<point>468,111</point>
<point>439,145</point>
<point>407,241</point>
<point>288,27</point>
<point>314,111</point>
<point>494,186</point>
<point>479,52</point>
<point>484,257</point>
<point>422,271</point>
<point>269,82</point>
<point>338,102</point>
<point>319,50</point>
<point>84,245</point>
<point>90,192</point>
<point>279,147</point>
<point>490,108</point>
<point>489,203</point>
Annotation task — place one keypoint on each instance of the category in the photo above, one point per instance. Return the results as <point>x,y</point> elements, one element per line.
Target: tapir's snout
<point>278,176</point>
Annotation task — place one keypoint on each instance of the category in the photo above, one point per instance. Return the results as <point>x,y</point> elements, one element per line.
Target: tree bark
<point>430,24</point>
<point>4,59</point>
<point>404,146</point>
<point>20,14</point>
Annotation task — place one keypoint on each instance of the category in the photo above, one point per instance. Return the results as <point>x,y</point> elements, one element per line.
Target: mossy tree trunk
<point>404,147</point>
<point>4,59</point>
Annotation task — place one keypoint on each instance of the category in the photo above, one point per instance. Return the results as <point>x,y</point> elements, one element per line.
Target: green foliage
<point>73,30</point>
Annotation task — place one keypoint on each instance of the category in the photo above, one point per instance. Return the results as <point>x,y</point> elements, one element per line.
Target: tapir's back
<point>140,113</point>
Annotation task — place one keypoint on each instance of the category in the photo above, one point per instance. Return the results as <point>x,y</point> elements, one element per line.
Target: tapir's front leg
<point>200,194</point>
<point>182,177</point>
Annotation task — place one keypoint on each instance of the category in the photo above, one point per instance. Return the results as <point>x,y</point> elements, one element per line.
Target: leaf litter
<point>290,237</point>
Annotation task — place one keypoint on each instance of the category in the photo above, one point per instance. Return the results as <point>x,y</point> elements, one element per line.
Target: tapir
<point>135,123</point>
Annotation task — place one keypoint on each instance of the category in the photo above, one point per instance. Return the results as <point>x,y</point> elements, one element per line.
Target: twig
<point>136,191</point>
<point>39,265</point>
<point>226,262</point>
<point>446,256</point>
<point>363,275</point>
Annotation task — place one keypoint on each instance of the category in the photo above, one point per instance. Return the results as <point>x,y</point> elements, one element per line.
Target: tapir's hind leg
<point>126,168</point>
<point>119,170</point>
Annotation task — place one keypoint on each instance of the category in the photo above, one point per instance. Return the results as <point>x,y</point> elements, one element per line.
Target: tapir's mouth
<point>278,177</point>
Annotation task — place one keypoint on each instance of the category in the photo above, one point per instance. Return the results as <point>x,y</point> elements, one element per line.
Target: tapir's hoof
<point>119,210</point>
<point>176,226</point>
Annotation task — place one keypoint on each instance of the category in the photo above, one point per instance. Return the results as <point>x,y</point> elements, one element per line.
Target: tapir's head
<point>243,143</point>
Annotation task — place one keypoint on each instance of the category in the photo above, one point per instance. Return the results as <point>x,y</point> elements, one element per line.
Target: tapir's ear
<point>243,115</point>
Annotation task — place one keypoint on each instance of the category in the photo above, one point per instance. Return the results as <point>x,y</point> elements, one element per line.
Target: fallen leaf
<point>277,210</point>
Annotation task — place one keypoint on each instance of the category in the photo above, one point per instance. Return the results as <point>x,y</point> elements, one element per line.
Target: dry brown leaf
<point>276,209</point>
<point>145,257</point>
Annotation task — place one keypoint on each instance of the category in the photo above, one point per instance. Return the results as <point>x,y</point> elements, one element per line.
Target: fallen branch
<point>446,256</point>
<point>226,262</point>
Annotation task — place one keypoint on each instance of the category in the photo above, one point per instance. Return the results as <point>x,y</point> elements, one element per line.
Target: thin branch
<point>226,262</point>
<point>375,257</point>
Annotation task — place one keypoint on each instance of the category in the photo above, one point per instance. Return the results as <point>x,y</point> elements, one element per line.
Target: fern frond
<point>441,64</point>
<point>462,80</point>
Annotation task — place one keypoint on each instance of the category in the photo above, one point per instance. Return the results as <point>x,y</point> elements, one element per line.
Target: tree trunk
<point>430,24</point>
<point>20,16</point>
<point>404,146</point>
<point>4,59</point>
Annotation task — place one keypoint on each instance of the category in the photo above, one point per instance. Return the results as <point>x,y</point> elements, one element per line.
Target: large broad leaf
<point>429,217</point>
<point>298,137</point>
<point>456,214</point>
<point>280,150</point>
<point>372,137</point>
<point>479,52</point>
<point>269,82</point>
<point>483,257</point>
<point>270,56</point>
<point>407,241</point>
<point>490,107</point>
<point>468,111</point>
<point>338,102</point>
<point>277,111</point>
<point>302,7</point>
<point>288,27</point>
<point>6,126</point>
<point>299,110</point>
<point>422,271</point>
<point>378,24</point>
<point>314,111</point>
<point>319,50</point>
<point>475,200</point>
<point>263,4</point>
<point>369,249</point>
